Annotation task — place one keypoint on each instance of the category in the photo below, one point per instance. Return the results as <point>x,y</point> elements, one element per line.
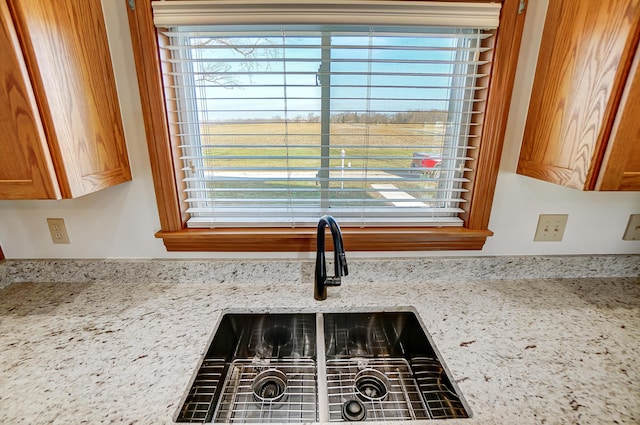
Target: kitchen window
<point>350,109</point>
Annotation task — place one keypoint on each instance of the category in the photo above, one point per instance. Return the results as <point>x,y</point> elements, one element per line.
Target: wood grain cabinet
<point>583,126</point>
<point>61,132</point>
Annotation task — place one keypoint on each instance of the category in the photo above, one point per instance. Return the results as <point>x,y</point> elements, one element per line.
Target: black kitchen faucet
<point>321,281</point>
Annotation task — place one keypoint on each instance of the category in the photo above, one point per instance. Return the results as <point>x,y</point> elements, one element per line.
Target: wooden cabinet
<point>583,126</point>
<point>61,133</point>
<point>621,164</point>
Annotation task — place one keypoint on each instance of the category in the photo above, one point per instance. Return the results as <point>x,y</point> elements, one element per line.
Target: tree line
<point>404,117</point>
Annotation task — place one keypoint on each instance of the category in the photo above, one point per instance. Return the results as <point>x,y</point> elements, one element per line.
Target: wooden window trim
<point>471,236</point>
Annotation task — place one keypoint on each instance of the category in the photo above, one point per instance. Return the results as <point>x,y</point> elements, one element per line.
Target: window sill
<point>304,239</point>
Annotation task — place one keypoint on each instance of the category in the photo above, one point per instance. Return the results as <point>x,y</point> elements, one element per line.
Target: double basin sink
<point>321,367</point>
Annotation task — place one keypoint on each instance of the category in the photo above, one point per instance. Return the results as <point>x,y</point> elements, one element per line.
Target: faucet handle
<point>344,271</point>
<point>333,281</point>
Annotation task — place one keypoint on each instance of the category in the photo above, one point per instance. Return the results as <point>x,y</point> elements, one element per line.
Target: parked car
<point>427,164</point>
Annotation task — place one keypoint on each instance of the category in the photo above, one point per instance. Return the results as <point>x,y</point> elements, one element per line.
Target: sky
<point>237,90</point>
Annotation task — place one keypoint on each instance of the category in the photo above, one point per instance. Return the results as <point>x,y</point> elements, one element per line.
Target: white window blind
<point>277,125</point>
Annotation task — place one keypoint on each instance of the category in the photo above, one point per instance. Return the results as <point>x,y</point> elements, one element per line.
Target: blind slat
<point>291,146</point>
<point>274,47</point>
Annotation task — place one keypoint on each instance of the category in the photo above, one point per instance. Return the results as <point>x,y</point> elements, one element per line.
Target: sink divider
<point>321,376</point>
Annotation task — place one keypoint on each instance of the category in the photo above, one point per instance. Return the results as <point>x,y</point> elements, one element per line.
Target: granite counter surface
<point>523,351</point>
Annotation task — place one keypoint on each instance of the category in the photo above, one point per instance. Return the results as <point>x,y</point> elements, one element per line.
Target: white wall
<point>120,222</point>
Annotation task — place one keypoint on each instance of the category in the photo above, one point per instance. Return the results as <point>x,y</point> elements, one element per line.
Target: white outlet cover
<point>58,231</point>
<point>633,228</point>
<point>550,227</point>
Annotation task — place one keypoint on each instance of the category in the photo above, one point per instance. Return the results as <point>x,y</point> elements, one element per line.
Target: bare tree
<point>219,73</point>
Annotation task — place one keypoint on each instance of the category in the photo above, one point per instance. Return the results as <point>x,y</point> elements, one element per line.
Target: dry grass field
<point>388,146</point>
<point>229,149</point>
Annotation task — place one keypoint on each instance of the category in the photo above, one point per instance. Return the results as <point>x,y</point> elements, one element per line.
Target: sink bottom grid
<point>388,389</point>
<point>268,391</point>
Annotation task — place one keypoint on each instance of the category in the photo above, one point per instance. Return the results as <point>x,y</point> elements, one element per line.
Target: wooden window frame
<point>471,236</point>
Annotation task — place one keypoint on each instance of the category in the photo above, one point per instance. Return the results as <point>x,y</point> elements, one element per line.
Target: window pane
<point>281,125</point>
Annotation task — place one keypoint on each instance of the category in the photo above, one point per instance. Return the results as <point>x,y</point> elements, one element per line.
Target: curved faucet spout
<point>321,281</point>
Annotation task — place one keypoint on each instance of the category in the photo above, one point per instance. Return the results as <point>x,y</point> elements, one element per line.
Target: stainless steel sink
<point>258,368</point>
<point>386,364</point>
<point>321,367</point>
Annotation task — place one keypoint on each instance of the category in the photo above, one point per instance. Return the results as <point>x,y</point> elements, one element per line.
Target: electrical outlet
<point>633,229</point>
<point>551,227</point>
<point>58,230</point>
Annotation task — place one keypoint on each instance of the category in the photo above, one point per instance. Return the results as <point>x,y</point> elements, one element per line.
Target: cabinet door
<point>26,169</point>
<point>67,54</point>
<point>586,49</point>
<point>621,165</point>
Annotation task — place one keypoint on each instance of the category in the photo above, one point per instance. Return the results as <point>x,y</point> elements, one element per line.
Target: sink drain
<point>371,385</point>
<point>269,386</point>
<point>354,410</point>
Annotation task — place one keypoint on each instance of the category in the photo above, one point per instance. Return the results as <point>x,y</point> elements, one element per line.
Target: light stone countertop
<point>523,351</point>
<point>529,340</point>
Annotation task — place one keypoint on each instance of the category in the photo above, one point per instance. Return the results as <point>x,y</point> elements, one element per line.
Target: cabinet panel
<point>586,50</point>
<point>621,165</point>
<point>67,55</point>
<point>26,169</point>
